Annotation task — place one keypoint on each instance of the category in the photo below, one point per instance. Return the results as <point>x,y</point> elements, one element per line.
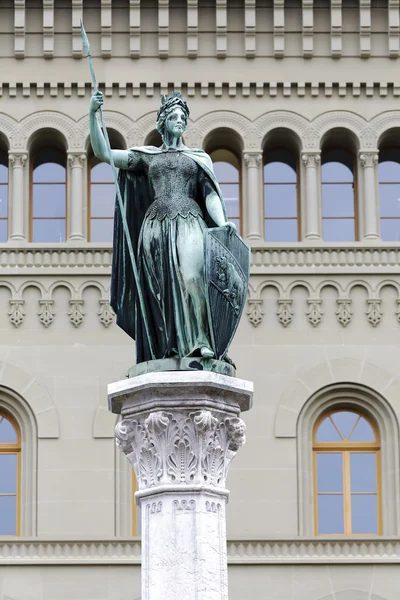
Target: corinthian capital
<point>76,160</point>
<point>368,159</point>
<point>252,160</point>
<point>311,159</point>
<point>18,160</point>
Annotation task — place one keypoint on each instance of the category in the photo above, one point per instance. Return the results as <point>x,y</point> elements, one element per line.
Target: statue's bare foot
<point>206,352</point>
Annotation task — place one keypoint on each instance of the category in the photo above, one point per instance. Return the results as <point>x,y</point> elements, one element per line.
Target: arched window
<point>102,200</point>
<point>281,201</point>
<point>49,197</point>
<point>389,194</point>
<point>346,459</point>
<point>338,197</point>
<point>10,467</point>
<point>227,172</point>
<point>3,197</point>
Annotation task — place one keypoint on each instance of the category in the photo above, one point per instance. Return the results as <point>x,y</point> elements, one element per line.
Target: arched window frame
<point>20,412</point>
<point>345,448</point>
<point>269,153</point>
<point>361,399</point>
<point>11,448</point>
<point>4,161</point>
<point>214,157</point>
<point>31,186</point>
<point>395,152</point>
<point>331,149</point>
<point>93,162</point>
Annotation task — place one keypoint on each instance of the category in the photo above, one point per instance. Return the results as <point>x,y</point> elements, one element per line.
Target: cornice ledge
<point>120,551</point>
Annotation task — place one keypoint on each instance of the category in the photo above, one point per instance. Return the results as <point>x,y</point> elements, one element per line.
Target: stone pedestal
<point>180,431</point>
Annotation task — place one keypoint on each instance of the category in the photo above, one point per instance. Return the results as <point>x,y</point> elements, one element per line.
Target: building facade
<point>298,104</point>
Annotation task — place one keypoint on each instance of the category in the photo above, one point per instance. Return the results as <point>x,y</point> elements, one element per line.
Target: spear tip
<point>85,40</point>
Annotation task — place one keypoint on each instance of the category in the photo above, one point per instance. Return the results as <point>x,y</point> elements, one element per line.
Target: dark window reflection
<point>49,196</point>
<point>346,471</point>
<point>102,201</point>
<point>3,197</point>
<point>226,169</point>
<point>338,203</point>
<point>280,197</point>
<point>389,194</point>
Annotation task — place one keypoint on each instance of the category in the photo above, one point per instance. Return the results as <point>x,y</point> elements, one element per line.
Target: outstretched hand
<point>96,101</point>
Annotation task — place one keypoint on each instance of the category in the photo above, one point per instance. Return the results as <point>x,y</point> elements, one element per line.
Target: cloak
<point>137,195</point>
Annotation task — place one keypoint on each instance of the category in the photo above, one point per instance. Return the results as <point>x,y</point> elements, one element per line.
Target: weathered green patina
<point>170,197</point>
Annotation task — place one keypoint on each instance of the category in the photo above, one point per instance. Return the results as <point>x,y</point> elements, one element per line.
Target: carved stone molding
<point>255,313</point>
<point>368,160</point>
<point>311,160</point>
<point>252,160</point>
<point>18,160</point>
<point>17,312</point>
<point>76,160</point>
<point>344,313</point>
<point>185,447</point>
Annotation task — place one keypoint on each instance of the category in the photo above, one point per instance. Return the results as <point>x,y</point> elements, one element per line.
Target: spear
<point>125,228</point>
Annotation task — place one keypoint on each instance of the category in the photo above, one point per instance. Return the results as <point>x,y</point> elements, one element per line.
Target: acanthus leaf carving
<point>374,312</point>
<point>46,312</point>
<point>16,312</point>
<point>181,447</point>
<point>284,311</point>
<point>344,312</point>
<point>315,312</point>
<point>255,312</point>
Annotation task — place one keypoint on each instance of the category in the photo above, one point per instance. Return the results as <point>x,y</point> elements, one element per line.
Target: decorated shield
<point>227,271</point>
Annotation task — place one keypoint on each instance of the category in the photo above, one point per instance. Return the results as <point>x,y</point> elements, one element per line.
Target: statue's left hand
<point>231,225</point>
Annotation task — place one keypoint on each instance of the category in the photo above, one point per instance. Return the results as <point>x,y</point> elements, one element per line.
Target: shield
<point>227,271</point>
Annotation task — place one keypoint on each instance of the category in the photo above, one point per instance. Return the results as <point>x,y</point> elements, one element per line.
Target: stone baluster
<point>76,228</point>
<point>368,161</point>
<point>17,162</point>
<point>311,161</point>
<point>180,431</point>
<point>253,162</point>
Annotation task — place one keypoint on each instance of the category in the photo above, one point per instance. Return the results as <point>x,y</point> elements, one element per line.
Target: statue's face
<point>176,122</point>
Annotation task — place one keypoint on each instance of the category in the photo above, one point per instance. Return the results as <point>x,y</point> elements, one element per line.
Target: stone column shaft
<point>180,431</point>
<point>311,162</point>
<point>253,161</point>
<point>369,160</point>
<point>18,162</point>
<point>76,228</point>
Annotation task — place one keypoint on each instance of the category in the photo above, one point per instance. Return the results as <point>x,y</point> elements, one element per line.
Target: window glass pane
<point>101,230</point>
<point>280,200</point>
<point>102,173</point>
<point>48,230</point>
<point>3,200</point>
<point>389,200</point>
<point>345,421</point>
<point>230,193</point>
<point>337,200</point>
<point>330,514</point>
<point>275,172</point>
<point>3,231</point>
<point>336,172</point>
<point>102,200</point>
<point>364,513</point>
<point>7,432</point>
<point>363,432</point>
<point>363,471</point>
<point>389,170</point>
<point>329,472</point>
<point>8,515</point>
<point>3,174</point>
<point>338,230</point>
<point>390,230</point>
<point>49,172</point>
<point>8,473</point>
<point>49,200</point>
<point>327,432</point>
<point>281,230</point>
<point>226,172</point>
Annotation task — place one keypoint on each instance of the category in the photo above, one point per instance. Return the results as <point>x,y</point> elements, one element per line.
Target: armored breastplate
<point>174,179</point>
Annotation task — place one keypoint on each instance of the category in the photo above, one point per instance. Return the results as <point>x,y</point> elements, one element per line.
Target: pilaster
<point>17,162</point>
<point>368,162</point>
<point>311,162</point>
<point>76,163</point>
<point>253,162</point>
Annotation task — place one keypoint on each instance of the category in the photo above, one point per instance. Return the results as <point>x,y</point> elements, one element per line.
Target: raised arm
<point>97,138</point>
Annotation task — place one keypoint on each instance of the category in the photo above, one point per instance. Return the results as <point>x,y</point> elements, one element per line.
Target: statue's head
<point>172,116</point>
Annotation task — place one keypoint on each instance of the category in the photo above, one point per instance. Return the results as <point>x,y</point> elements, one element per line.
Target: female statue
<point>170,196</point>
